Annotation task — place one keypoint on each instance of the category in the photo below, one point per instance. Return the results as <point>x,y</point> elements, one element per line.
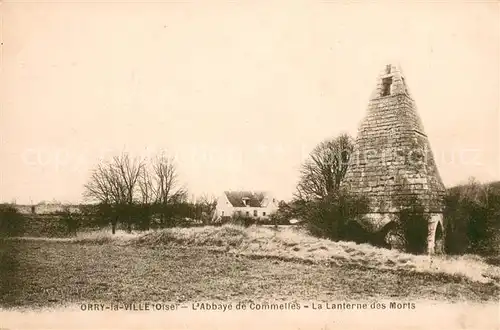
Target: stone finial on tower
<point>391,81</point>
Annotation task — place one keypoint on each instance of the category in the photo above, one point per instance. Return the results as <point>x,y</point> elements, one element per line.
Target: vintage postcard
<point>249,165</point>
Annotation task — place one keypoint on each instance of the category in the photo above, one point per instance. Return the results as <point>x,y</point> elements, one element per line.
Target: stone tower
<point>393,161</point>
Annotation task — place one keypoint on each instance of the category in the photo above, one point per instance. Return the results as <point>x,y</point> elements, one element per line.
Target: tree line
<point>144,193</point>
<point>134,192</point>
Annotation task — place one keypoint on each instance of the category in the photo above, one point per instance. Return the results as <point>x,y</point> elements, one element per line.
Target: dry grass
<point>44,273</point>
<point>292,243</point>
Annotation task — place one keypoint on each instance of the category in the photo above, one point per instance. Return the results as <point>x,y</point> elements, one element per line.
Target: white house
<point>257,205</point>
<point>46,208</point>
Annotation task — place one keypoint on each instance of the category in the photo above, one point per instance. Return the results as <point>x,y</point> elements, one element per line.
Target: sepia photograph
<point>249,164</point>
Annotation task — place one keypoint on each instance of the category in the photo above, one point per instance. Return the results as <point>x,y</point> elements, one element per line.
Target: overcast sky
<point>239,93</point>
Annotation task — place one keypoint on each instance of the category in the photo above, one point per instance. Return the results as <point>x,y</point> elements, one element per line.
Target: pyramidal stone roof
<point>392,157</point>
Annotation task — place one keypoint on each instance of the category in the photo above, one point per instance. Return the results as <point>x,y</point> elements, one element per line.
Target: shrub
<point>11,221</point>
<point>412,227</point>
<point>334,216</point>
<point>70,221</point>
<point>242,220</point>
<point>285,213</point>
<point>472,215</point>
<point>278,219</point>
<point>412,219</point>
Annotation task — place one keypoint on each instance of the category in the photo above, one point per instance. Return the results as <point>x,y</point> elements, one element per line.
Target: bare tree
<point>126,185</point>
<point>127,171</point>
<point>322,173</point>
<point>98,187</point>
<point>206,205</point>
<point>147,196</point>
<point>165,178</point>
<point>114,184</point>
<point>146,186</point>
<point>103,189</point>
<point>165,184</point>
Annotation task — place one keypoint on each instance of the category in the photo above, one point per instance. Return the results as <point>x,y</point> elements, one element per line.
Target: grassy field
<point>227,264</point>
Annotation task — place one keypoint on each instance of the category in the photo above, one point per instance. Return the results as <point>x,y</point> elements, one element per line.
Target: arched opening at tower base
<point>427,230</point>
<point>387,237</point>
<point>439,239</point>
<point>435,238</point>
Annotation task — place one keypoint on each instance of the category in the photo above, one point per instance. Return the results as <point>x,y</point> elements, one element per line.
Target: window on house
<point>264,213</point>
<point>255,213</point>
<point>386,86</point>
<point>248,213</point>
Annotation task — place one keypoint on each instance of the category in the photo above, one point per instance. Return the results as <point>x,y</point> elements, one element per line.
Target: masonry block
<point>393,154</point>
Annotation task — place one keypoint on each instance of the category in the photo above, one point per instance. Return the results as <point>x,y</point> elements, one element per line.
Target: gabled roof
<point>254,199</point>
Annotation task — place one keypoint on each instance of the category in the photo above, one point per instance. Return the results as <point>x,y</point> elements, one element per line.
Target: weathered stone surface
<point>392,159</point>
